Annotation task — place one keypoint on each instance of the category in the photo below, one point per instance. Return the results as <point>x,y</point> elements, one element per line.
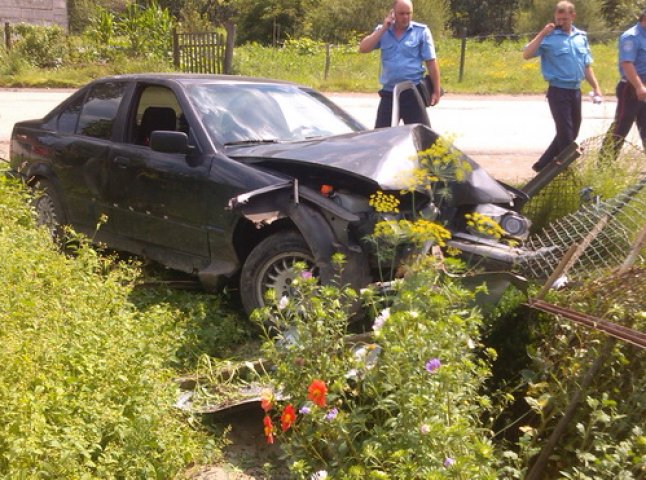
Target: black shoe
<point>537,167</point>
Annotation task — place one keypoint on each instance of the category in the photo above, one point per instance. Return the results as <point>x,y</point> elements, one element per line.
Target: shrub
<point>605,437</point>
<point>85,385</point>
<point>403,404</point>
<point>41,46</point>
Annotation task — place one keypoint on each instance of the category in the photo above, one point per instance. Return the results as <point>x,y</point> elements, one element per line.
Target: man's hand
<point>547,29</point>
<point>531,48</point>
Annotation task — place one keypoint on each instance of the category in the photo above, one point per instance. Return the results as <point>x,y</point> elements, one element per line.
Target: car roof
<point>187,78</point>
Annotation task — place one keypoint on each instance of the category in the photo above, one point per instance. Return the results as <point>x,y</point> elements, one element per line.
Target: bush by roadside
<point>86,384</point>
<point>490,66</point>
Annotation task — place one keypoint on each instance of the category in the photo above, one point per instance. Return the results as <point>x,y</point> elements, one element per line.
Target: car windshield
<point>252,113</point>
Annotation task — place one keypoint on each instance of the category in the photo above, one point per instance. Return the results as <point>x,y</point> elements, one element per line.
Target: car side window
<point>157,109</point>
<point>66,121</point>
<point>100,110</point>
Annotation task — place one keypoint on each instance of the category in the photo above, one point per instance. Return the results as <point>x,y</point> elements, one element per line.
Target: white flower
<point>282,304</point>
<point>560,282</point>
<point>381,319</point>
<point>320,475</point>
<point>354,373</point>
<point>471,344</point>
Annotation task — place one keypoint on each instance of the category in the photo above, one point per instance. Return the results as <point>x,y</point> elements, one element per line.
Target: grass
<point>89,358</point>
<point>490,67</point>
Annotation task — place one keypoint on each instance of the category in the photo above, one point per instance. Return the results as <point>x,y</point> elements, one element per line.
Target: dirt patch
<point>248,456</point>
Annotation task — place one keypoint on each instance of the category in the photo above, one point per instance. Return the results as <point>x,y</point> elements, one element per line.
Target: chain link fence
<point>571,211</point>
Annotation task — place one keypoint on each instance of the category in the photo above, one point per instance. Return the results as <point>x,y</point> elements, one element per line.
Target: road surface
<point>505,134</point>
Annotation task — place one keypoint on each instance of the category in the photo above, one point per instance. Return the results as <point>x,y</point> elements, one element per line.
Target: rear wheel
<point>270,265</point>
<point>48,208</point>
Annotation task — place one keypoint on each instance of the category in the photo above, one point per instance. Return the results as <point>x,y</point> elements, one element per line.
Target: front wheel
<point>270,265</point>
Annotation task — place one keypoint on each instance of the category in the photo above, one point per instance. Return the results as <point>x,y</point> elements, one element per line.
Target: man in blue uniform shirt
<point>565,62</point>
<point>404,46</point>
<point>631,92</point>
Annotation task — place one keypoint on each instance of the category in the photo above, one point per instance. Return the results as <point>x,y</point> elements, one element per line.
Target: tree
<point>588,16</point>
<point>484,17</point>
<point>620,14</point>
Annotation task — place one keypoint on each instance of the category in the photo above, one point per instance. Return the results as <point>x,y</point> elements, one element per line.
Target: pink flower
<point>433,365</point>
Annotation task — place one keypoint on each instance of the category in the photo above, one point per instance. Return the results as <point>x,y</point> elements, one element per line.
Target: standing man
<point>565,62</point>
<point>404,46</point>
<point>631,92</point>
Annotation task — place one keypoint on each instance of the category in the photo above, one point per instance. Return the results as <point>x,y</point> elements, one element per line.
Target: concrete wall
<point>37,12</point>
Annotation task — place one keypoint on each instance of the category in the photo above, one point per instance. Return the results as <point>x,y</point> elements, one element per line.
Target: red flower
<point>265,400</point>
<point>288,417</point>
<point>316,392</point>
<point>269,429</point>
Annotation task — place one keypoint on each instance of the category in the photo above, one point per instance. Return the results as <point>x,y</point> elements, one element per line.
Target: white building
<point>36,12</point>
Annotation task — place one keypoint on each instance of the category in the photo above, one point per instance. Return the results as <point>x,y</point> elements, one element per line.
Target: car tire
<point>270,265</point>
<point>48,208</point>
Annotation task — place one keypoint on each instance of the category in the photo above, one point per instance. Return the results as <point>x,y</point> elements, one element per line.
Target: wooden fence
<point>201,52</point>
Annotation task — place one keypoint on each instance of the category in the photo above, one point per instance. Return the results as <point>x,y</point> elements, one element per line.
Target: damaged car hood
<point>387,156</point>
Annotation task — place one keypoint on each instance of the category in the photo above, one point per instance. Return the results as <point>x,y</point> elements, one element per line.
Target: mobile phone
<point>392,15</point>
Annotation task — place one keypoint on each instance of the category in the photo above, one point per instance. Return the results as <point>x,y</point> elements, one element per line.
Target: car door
<point>162,195</point>
<point>81,149</point>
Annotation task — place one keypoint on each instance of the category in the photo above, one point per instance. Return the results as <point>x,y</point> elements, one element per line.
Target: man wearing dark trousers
<point>404,46</point>
<point>631,92</point>
<point>565,62</point>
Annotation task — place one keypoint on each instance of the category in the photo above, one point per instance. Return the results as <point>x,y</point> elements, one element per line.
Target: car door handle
<point>122,162</point>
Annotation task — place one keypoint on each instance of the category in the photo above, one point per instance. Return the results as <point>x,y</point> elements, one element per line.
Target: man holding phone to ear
<point>565,62</point>
<point>405,45</point>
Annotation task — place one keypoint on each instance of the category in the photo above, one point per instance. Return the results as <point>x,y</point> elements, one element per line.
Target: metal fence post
<point>326,71</point>
<point>463,50</point>
<point>7,35</point>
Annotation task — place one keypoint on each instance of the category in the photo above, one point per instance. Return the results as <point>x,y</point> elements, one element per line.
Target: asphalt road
<point>505,134</point>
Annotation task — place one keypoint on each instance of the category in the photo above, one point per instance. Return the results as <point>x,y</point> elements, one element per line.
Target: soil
<point>248,456</point>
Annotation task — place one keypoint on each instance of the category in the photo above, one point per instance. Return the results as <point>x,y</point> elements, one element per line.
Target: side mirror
<point>169,142</point>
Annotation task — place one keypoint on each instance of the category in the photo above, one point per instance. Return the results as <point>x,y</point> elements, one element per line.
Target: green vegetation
<point>88,360</point>
<point>405,403</point>
<point>489,67</point>
<point>89,353</point>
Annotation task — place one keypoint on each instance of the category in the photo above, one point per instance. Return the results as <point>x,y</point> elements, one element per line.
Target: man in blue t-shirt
<point>404,46</point>
<point>631,89</point>
<point>565,62</point>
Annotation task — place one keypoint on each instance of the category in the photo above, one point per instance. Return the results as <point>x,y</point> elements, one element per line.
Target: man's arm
<point>530,49</point>
<point>631,75</point>
<point>592,80</point>
<point>369,43</point>
<point>433,69</point>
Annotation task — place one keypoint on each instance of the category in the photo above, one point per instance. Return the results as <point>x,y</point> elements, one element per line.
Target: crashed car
<point>233,178</point>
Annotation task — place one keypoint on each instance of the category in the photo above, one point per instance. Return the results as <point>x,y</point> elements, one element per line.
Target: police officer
<point>404,45</point>
<point>565,62</point>
<point>631,92</point>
